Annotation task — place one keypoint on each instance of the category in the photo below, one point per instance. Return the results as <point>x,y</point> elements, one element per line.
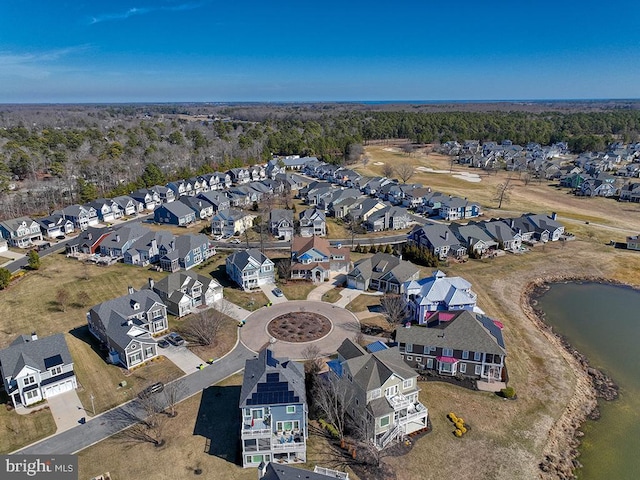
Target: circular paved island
<point>290,327</point>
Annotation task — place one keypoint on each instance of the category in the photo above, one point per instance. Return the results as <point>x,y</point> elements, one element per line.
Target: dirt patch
<point>299,327</point>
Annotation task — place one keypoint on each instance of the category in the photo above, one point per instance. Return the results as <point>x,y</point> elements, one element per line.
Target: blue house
<point>273,407</point>
<point>175,213</point>
<point>186,252</point>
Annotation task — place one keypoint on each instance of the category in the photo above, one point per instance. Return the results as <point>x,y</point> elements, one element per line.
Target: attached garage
<point>58,388</point>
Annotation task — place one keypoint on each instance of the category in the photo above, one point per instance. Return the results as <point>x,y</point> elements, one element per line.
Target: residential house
<point>438,239</point>
<point>273,408</point>
<point>165,194</point>
<point>382,272</point>
<point>217,200</point>
<point>474,238</point>
<point>107,209</point>
<point>201,208</point>
<point>117,242</point>
<point>87,242</point>
<point>211,180</point>
<point>181,188</point>
<point>126,205</point>
<point>231,222</point>
<point>239,175</point>
<point>55,225</point>
<point>456,208</point>
<point>281,223</point>
<point>176,213</point>
<point>126,326</point>
<point>455,343</point>
<point>436,293</point>
<point>545,227</point>
<point>281,471</point>
<point>416,197</point>
<point>146,249</point>
<point>595,187</point>
<point>188,251</point>
<point>630,192</point>
<point>34,369</point>
<point>313,222</point>
<point>81,216</point>
<point>147,198</point>
<point>224,180</point>
<point>250,268</point>
<point>633,242</point>
<point>382,392</point>
<point>502,231</point>
<point>388,218</point>
<point>274,167</point>
<point>363,208</point>
<point>315,259</point>
<point>21,232</point>
<point>185,292</point>
<point>373,185</point>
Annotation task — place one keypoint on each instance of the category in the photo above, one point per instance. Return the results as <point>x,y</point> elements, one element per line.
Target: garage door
<point>58,388</point>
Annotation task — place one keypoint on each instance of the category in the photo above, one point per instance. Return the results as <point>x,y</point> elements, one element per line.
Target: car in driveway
<point>163,343</point>
<point>174,339</point>
<point>235,240</point>
<point>277,292</point>
<point>151,389</point>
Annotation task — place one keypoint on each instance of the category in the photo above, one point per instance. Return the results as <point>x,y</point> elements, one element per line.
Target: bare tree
<point>405,172</point>
<point>313,360</point>
<point>142,421</point>
<point>332,399</point>
<point>387,170</point>
<point>284,269</point>
<point>360,339</point>
<point>408,148</point>
<point>202,329</point>
<point>365,160</point>
<point>354,152</point>
<point>174,392</point>
<point>395,308</point>
<point>83,298</point>
<point>363,430</point>
<point>355,228</point>
<point>503,192</point>
<point>62,297</point>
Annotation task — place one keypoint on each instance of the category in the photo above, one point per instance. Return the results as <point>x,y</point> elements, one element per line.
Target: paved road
<point>119,418</point>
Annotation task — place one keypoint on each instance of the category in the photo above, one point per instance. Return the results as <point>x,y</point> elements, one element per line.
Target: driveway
<point>268,291</point>
<point>67,410</point>
<point>317,293</point>
<point>255,336</point>
<point>231,309</point>
<point>182,357</point>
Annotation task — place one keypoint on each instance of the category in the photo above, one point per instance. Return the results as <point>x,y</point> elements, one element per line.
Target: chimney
<point>131,290</point>
<point>512,223</point>
<point>90,236</point>
<point>429,189</point>
<point>554,215</point>
<point>34,336</point>
<point>151,283</point>
<point>117,237</point>
<point>446,234</point>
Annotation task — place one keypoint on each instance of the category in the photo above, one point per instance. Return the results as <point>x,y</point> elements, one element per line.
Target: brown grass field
<point>21,430</point>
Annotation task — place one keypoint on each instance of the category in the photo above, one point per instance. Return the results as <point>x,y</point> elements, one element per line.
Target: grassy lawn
<point>203,436</point>
<point>196,227</point>
<point>4,260</point>
<point>225,339</point>
<point>100,379</point>
<point>362,302</point>
<point>296,290</point>
<point>21,430</point>
<point>333,295</point>
<point>30,304</point>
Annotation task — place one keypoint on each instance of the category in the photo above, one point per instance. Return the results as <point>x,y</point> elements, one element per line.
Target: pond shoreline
<point>561,453</point>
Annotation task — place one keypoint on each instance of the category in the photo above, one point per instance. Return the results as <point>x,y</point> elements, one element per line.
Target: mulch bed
<point>299,327</point>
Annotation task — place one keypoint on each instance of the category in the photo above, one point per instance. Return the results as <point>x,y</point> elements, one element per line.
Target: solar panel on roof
<point>273,377</point>
<point>53,361</point>
<point>271,361</point>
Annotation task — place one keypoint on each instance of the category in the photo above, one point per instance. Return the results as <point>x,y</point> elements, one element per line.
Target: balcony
<point>399,401</point>
<point>255,428</point>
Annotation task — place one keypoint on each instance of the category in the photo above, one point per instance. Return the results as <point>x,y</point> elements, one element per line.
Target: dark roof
<point>41,354</point>
<point>271,381</point>
<point>278,471</point>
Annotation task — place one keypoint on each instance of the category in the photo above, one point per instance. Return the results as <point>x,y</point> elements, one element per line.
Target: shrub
<point>452,417</point>
<point>461,420</point>
<point>459,425</point>
<point>458,433</point>
<point>508,392</point>
<point>463,430</point>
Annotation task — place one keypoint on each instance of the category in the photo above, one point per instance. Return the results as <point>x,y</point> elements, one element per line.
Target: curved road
<point>113,421</point>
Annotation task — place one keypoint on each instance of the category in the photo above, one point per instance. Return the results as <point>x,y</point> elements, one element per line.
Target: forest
<point>53,155</point>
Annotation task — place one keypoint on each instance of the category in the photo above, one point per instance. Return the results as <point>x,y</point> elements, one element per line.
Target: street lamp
<point>93,408</point>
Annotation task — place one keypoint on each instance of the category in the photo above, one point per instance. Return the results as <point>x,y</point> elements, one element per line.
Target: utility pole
<point>93,407</point>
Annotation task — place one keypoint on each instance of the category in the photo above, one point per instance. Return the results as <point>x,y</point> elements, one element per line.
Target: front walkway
<point>67,410</point>
<point>317,293</point>
<point>494,386</point>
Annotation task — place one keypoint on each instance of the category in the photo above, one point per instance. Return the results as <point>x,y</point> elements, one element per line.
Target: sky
<point>75,51</point>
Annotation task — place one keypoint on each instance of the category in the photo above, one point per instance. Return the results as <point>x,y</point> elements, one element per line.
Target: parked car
<point>150,390</point>
<point>163,343</point>
<point>277,292</point>
<point>174,339</point>
<point>235,240</point>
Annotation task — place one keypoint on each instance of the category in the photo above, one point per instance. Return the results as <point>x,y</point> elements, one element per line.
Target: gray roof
<point>177,280</point>
<point>278,214</point>
<point>178,209</point>
<point>14,223</point>
<point>382,264</point>
<point>240,259</point>
<point>437,234</point>
<point>127,233</point>
<point>467,331</point>
<point>41,354</point>
<point>287,388</point>
<point>278,471</point>
<point>186,243</point>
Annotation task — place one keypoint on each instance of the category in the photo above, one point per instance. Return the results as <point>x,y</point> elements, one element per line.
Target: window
<point>478,369</point>
<point>291,409</point>
<point>29,380</point>
<point>418,358</point>
<point>288,426</point>
<point>407,383</point>
<point>135,358</point>
<point>148,351</point>
<point>465,354</point>
<point>429,362</point>
<point>447,352</point>
<point>391,391</point>
<point>376,393</point>
<point>409,357</point>
<point>408,347</point>
<point>384,421</point>
<point>56,370</point>
<point>463,368</point>
<point>257,413</point>
<point>31,394</point>
<point>477,356</point>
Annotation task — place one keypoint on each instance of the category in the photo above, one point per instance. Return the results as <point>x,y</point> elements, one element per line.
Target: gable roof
<point>242,258</point>
<point>177,280</point>
<point>270,381</point>
<point>382,264</point>
<point>41,354</point>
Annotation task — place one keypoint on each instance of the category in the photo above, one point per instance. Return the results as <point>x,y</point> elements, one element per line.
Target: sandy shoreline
<point>560,452</point>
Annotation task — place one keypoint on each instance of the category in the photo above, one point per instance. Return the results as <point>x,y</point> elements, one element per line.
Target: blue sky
<point>209,50</point>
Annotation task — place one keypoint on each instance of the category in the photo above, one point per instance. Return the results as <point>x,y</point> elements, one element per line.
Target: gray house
<point>34,369</point>
<point>126,326</point>
<point>382,272</point>
<point>184,292</point>
<point>21,232</point>
<point>273,407</point>
<point>55,225</point>
<point>438,239</point>
<point>200,207</point>
<point>281,223</point>
<point>250,268</point>
<point>389,218</point>
<point>313,222</point>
